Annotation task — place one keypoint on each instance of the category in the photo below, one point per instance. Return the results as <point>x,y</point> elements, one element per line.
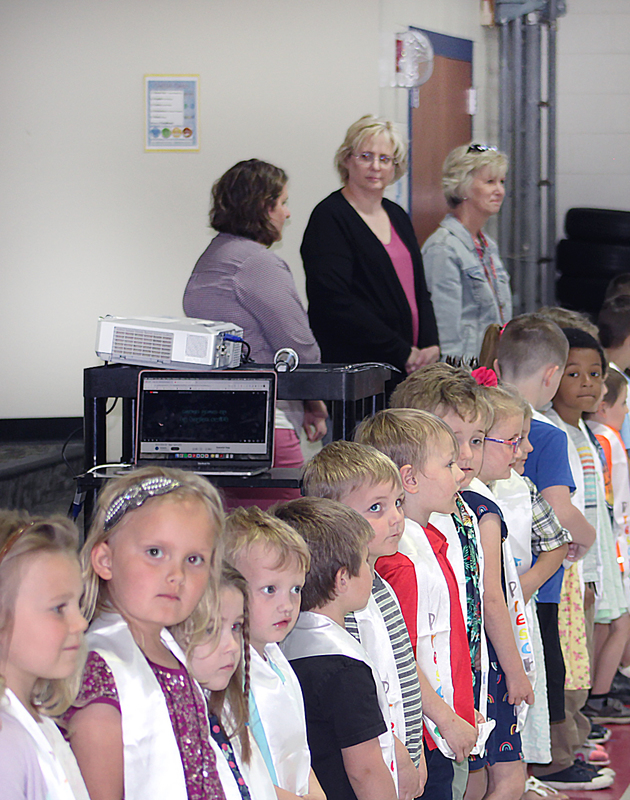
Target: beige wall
<point>594,106</point>
<point>90,224</point>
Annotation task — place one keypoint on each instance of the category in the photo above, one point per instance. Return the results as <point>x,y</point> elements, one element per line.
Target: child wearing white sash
<point>221,665</point>
<point>580,392</point>
<point>347,711</point>
<point>139,726</point>
<point>274,560</point>
<point>425,451</point>
<point>41,648</point>
<point>511,665</point>
<point>363,478</point>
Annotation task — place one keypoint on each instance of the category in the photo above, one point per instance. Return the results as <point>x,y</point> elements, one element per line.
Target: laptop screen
<point>210,417</point>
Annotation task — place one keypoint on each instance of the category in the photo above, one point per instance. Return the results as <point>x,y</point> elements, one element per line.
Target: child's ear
<point>409,480</point>
<point>496,367</point>
<point>549,373</point>
<point>342,579</point>
<point>101,558</point>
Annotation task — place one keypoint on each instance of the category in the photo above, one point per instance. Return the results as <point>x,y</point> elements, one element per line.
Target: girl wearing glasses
<point>469,285</point>
<point>368,299</point>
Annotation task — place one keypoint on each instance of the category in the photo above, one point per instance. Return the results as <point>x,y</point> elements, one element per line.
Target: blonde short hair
<point>406,435</point>
<point>506,402</point>
<point>565,318</point>
<point>440,388</point>
<point>180,486</point>
<point>460,167</point>
<point>340,468</point>
<point>362,130</point>
<point>246,527</point>
<point>23,538</point>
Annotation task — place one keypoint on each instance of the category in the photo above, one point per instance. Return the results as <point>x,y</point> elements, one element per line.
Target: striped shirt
<point>405,661</point>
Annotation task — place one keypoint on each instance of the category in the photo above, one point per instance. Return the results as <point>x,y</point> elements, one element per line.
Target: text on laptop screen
<point>205,418</point>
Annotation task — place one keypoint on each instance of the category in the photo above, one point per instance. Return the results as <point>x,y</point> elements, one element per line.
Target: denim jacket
<point>463,300</point>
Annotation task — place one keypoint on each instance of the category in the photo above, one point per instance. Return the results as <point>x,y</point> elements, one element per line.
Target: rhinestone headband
<point>13,539</point>
<point>135,496</point>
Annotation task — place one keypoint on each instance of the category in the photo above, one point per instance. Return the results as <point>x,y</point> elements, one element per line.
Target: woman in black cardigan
<point>368,299</point>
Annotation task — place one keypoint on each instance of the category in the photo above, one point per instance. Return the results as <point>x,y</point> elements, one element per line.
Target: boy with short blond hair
<point>274,559</point>
<point>425,451</point>
<point>347,711</point>
<point>368,481</point>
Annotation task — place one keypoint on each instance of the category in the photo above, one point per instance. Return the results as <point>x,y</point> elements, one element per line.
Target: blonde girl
<point>221,665</point>
<point>139,727</point>
<point>41,651</point>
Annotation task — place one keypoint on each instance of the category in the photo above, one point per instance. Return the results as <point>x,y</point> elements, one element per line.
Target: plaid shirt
<point>547,532</point>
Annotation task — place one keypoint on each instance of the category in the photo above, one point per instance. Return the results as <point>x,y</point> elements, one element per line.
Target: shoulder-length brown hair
<point>243,197</point>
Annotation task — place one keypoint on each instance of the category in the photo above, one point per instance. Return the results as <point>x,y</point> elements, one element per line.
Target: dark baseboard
<point>40,429</point>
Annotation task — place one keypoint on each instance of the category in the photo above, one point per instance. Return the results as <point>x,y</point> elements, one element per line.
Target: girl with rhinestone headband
<point>41,653</point>
<point>139,727</point>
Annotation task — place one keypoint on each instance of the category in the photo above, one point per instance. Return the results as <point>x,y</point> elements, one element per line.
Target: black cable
<point>63,450</point>
<point>112,407</point>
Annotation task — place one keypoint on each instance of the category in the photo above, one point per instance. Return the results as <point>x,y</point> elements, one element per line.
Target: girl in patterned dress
<point>221,665</point>
<point>139,727</point>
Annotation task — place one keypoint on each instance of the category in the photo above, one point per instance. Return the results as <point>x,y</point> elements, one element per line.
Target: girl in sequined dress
<point>221,665</point>
<point>139,727</point>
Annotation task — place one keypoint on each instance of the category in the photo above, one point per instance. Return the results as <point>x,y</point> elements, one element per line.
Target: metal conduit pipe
<point>549,291</point>
<point>530,147</point>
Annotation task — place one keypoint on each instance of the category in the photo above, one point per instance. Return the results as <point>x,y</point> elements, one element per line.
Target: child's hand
<point>460,735</point>
<point>479,717</point>
<point>519,689</point>
<point>576,551</point>
<point>408,778</point>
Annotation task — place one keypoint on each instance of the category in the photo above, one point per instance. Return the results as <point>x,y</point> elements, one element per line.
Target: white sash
<point>621,496</point>
<point>317,635</point>
<point>57,783</point>
<point>433,646</point>
<point>153,766</point>
<point>375,640</point>
<point>515,500</point>
<point>519,613</point>
<point>446,526</point>
<point>281,708</point>
<point>255,774</point>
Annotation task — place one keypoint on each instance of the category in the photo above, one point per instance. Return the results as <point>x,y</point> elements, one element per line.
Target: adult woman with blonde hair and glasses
<point>368,299</point>
<point>469,285</point>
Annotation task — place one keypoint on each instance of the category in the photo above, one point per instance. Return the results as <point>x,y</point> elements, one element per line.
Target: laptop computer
<point>215,423</point>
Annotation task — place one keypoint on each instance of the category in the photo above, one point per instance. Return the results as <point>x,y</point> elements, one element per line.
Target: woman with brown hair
<point>238,279</point>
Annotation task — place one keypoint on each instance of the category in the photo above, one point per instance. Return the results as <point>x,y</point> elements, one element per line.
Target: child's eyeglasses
<point>513,443</point>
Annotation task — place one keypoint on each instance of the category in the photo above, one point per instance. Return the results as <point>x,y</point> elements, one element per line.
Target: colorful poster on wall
<point>171,118</point>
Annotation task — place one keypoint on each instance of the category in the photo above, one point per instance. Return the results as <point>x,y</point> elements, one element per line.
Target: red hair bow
<point>485,376</point>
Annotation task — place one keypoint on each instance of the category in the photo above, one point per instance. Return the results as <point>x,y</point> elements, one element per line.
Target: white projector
<point>179,343</point>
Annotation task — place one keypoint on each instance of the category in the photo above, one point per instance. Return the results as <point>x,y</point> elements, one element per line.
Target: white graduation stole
<point>56,780</point>
<point>317,635</point>
<point>515,500</point>
<point>255,774</point>
<point>153,766</point>
<point>446,526</point>
<point>281,708</point>
<point>376,642</point>
<point>517,609</point>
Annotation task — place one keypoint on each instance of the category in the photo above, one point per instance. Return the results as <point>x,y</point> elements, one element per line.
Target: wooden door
<point>440,122</point>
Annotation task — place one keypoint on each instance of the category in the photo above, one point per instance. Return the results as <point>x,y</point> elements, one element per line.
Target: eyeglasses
<point>479,148</point>
<point>513,443</point>
<point>368,158</point>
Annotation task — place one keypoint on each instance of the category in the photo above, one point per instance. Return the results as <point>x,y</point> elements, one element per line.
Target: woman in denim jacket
<point>469,285</point>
